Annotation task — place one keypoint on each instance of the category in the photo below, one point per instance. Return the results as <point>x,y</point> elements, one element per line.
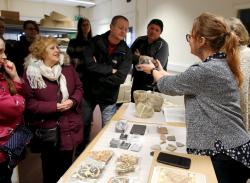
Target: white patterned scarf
<point>36,70</point>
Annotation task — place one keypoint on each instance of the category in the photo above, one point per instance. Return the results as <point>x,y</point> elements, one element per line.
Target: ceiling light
<point>82,2</point>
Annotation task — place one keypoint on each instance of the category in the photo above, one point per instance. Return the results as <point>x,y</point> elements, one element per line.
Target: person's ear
<point>202,41</point>
<point>111,26</point>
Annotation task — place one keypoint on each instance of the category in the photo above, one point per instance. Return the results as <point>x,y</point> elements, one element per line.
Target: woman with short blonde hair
<point>54,92</point>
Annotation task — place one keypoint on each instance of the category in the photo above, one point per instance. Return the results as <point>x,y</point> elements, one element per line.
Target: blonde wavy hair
<point>240,30</point>
<point>38,47</point>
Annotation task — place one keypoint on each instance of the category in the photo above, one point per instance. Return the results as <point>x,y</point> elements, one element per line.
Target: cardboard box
<point>10,21</point>
<point>10,15</point>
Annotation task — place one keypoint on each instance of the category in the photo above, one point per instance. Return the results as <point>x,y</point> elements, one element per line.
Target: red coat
<point>11,110</point>
<point>41,108</point>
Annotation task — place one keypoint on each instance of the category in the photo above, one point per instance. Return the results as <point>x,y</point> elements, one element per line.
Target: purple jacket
<point>41,108</point>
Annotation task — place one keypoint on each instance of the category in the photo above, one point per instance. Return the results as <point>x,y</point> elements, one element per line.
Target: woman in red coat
<point>11,107</point>
<point>53,93</point>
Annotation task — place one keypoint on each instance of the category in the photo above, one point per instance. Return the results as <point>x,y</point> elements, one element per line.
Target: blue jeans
<point>108,112</point>
<point>88,107</point>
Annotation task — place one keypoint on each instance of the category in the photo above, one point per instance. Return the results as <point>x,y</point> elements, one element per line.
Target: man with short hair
<point>107,62</point>
<point>151,45</point>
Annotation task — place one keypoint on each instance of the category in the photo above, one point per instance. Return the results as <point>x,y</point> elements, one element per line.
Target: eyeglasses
<point>85,24</point>
<point>188,37</point>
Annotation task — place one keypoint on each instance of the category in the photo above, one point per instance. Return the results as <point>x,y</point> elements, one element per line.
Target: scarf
<point>36,70</point>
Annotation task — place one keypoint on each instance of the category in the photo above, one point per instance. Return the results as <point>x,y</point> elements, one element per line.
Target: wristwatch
<point>152,70</point>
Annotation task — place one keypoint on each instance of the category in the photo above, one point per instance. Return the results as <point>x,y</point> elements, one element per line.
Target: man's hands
<point>137,53</point>
<point>66,105</point>
<point>144,59</point>
<point>149,66</point>
<point>146,67</point>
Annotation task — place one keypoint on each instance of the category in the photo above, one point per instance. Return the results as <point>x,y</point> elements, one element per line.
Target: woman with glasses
<point>77,46</point>
<point>211,88</point>
<point>75,50</point>
<point>21,48</point>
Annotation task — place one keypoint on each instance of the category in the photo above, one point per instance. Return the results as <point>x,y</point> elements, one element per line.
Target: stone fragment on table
<point>121,126</point>
<point>171,147</point>
<point>114,143</point>
<point>162,130</point>
<point>171,138</point>
<point>179,144</point>
<point>163,137</point>
<point>162,141</point>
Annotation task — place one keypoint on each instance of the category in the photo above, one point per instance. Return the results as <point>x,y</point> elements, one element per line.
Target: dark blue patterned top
<point>241,153</point>
<point>218,55</point>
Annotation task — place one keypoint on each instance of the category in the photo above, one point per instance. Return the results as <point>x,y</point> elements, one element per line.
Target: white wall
<point>100,17</point>
<point>176,15</point>
<point>101,14</point>
<point>36,11</point>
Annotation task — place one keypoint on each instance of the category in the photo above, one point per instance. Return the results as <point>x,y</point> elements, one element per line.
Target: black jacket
<point>75,50</point>
<point>158,50</point>
<point>21,51</point>
<point>103,86</point>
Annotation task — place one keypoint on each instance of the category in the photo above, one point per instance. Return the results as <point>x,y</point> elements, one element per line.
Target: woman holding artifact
<point>211,88</point>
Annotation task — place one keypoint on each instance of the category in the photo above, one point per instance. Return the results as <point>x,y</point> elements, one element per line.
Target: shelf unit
<point>13,31</point>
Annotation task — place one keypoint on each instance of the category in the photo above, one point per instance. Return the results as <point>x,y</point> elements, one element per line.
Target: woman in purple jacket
<point>54,92</point>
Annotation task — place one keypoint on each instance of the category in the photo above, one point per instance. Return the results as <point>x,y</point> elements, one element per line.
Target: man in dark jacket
<point>21,48</point>
<point>108,60</point>
<point>151,45</point>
